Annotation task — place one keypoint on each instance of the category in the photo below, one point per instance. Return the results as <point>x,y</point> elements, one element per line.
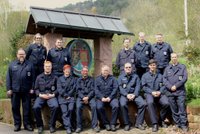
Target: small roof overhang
<point>73,24</point>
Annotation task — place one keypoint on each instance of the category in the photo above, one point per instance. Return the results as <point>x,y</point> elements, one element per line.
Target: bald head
<point>128,68</point>
<point>105,70</point>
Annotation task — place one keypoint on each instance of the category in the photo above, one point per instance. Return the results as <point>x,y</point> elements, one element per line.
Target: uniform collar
<point>141,44</point>
<point>59,49</point>
<point>153,74</point>
<point>126,50</point>
<point>177,65</point>
<point>85,78</point>
<point>19,63</point>
<point>66,77</point>
<point>106,78</point>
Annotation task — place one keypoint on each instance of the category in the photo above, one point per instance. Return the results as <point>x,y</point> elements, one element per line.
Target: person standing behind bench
<point>125,55</point>
<point>142,51</point>
<point>160,52</point>
<point>36,53</point>
<point>46,92</point>
<point>59,57</point>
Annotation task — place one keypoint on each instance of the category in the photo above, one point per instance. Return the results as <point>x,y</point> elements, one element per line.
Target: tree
<point>4,12</point>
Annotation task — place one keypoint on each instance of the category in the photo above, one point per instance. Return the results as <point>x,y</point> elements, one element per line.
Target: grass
<point>3,71</point>
<point>194,103</point>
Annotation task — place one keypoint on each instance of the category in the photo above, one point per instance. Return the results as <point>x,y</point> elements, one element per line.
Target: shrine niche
<point>81,55</point>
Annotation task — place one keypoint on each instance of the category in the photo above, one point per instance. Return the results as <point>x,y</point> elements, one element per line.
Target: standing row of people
<point>142,52</point>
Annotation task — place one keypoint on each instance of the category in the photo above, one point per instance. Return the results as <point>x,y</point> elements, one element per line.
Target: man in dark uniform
<point>175,77</point>
<point>152,83</point>
<point>125,55</point>
<point>59,57</point>
<point>19,84</point>
<point>106,93</point>
<point>45,89</point>
<point>36,53</point>
<point>85,90</point>
<point>129,86</point>
<point>142,51</point>
<point>161,53</point>
<point>66,90</point>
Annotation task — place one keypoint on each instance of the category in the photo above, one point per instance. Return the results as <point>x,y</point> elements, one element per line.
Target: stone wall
<point>194,117</point>
<point>6,115</point>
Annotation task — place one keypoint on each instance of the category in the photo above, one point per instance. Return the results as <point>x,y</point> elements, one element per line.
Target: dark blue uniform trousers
<point>141,105</point>
<point>101,111</point>
<point>79,110</point>
<point>67,111</point>
<point>178,108</point>
<point>39,103</point>
<point>151,103</point>
<point>16,101</point>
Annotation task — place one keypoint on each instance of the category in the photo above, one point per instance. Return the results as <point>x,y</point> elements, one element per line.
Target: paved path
<point>8,129</point>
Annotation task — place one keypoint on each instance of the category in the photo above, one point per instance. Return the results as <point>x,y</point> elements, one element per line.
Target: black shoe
<point>96,129</point>
<point>40,130</point>
<point>141,127</point>
<point>107,127</point>
<point>69,131</point>
<point>28,127</point>
<point>164,125</point>
<point>185,128</point>
<point>17,128</point>
<point>126,128</point>
<point>78,130</point>
<point>52,130</point>
<point>155,128</point>
<point>113,128</point>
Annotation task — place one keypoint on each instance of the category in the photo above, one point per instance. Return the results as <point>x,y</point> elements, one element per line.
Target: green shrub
<point>3,71</point>
<point>192,53</point>
<point>115,70</point>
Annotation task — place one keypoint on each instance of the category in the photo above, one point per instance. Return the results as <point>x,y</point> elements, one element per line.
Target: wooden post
<point>102,54</point>
<point>50,40</point>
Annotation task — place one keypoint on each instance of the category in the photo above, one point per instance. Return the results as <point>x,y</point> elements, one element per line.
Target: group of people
<point>144,68</point>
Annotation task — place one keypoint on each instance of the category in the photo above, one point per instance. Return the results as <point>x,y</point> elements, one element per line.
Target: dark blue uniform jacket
<point>20,77</point>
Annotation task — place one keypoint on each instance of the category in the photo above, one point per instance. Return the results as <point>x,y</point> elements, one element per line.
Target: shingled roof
<point>44,19</point>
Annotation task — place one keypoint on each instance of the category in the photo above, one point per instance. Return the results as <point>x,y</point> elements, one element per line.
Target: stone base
<point>6,111</point>
<point>6,115</point>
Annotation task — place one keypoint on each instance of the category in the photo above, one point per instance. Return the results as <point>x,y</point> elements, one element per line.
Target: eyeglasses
<point>127,67</point>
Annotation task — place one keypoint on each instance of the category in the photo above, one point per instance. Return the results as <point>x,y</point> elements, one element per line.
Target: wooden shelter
<point>53,23</point>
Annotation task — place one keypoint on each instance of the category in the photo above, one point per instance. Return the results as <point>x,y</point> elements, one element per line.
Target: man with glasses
<point>19,83</point>
<point>129,86</point>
